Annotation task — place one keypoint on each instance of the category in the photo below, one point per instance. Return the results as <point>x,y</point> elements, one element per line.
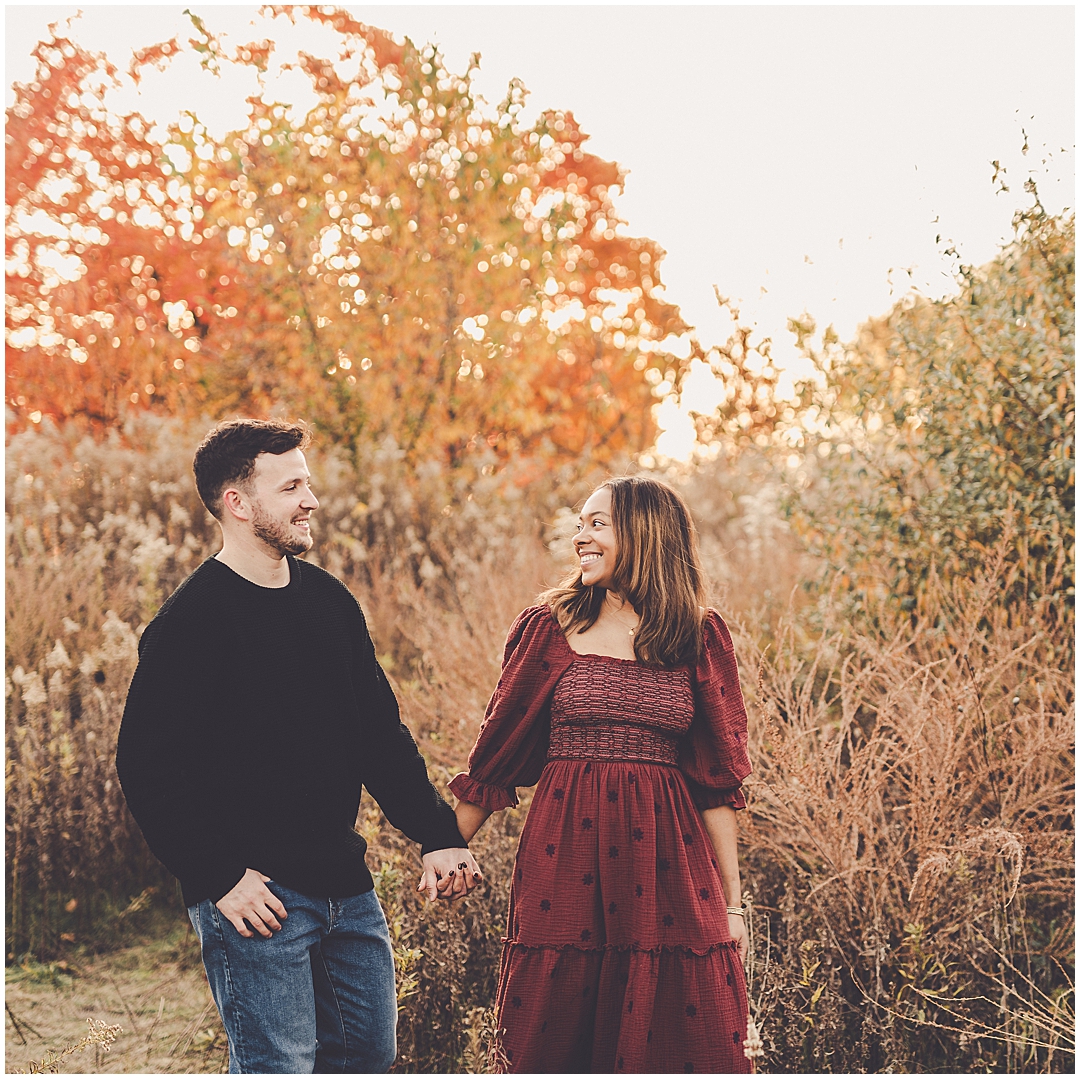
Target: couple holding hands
<point>258,711</point>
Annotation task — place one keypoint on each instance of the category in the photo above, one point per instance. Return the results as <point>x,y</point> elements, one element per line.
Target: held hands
<point>251,899</point>
<point>449,874</point>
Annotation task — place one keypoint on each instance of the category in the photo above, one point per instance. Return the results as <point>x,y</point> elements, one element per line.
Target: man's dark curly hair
<point>226,456</point>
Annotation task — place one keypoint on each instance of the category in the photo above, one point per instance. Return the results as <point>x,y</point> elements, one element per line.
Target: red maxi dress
<point>618,956</point>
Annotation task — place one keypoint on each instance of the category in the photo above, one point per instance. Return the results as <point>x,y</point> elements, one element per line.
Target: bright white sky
<point>799,158</point>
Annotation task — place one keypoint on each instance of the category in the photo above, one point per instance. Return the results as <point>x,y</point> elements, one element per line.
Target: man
<point>256,713</point>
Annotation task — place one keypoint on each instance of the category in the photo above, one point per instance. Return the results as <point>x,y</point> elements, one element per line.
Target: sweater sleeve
<point>158,767</point>
<point>395,772</point>
<point>511,748</point>
<point>713,755</point>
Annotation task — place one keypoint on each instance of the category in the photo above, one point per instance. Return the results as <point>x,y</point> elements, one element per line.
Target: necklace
<point>630,631</point>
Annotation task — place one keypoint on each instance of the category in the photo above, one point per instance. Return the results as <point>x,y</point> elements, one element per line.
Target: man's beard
<point>276,535</point>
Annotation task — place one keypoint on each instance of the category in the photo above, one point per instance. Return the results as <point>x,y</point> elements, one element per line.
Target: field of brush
<point>907,851</point>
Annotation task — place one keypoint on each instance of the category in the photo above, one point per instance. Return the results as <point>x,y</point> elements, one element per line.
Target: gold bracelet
<point>740,911</point>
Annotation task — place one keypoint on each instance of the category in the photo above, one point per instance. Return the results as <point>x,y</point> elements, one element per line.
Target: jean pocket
<point>193,917</point>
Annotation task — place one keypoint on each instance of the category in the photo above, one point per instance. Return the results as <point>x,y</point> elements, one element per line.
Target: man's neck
<point>254,562</point>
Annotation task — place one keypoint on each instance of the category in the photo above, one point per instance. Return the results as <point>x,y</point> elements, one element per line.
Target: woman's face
<point>595,540</point>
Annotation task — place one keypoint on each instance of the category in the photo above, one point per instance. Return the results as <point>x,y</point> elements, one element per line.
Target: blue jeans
<point>319,995</point>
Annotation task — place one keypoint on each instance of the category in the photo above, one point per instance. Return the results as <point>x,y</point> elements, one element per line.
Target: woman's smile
<point>595,540</point>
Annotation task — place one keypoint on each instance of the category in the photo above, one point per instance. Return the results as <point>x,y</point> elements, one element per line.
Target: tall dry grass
<point>910,840</point>
<point>97,536</point>
<point>908,844</point>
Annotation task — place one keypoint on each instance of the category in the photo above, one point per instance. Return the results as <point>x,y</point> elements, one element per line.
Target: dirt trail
<point>156,992</point>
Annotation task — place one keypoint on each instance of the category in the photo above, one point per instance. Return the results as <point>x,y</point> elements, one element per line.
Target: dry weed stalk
<point>98,1033</point>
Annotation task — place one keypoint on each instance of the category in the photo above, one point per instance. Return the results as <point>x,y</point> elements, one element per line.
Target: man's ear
<point>236,504</point>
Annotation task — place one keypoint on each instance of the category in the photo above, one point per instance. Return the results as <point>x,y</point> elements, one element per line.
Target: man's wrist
<point>427,849</point>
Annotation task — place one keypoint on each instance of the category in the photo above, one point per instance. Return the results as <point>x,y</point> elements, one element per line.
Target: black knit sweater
<point>254,717</point>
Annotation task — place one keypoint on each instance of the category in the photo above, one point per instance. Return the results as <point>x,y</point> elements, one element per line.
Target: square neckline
<point>600,655</point>
<point>586,655</point>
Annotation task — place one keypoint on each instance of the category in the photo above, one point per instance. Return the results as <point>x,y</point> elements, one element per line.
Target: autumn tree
<point>397,263</point>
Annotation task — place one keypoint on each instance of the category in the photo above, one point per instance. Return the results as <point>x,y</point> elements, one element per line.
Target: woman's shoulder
<point>536,623</point>
<point>715,636</point>
<point>535,638</point>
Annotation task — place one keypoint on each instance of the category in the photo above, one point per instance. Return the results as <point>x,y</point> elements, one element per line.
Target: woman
<point>620,699</point>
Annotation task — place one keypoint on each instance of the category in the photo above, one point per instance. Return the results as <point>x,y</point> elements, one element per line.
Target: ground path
<point>156,992</point>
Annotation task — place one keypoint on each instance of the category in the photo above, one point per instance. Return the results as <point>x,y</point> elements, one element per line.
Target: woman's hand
<point>739,934</point>
<point>721,825</point>
<point>449,874</point>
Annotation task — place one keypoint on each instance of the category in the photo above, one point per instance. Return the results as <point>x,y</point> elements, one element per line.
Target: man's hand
<point>251,899</point>
<point>449,874</point>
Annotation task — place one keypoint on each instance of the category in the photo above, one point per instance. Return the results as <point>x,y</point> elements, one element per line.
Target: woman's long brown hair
<point>657,570</point>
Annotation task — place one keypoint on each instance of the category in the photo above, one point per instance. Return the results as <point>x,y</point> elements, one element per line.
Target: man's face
<point>282,501</point>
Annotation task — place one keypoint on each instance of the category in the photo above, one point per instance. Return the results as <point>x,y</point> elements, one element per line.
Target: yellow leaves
<point>810,964</point>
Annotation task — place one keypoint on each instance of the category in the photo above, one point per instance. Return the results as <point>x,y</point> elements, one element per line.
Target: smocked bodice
<point>616,709</point>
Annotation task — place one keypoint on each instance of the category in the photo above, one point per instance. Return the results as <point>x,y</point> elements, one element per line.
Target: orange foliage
<point>395,264</point>
<point>156,55</point>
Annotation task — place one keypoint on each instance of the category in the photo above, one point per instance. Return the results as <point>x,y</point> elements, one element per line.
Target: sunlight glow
<point>702,391</point>
<point>677,437</point>
<point>570,312</point>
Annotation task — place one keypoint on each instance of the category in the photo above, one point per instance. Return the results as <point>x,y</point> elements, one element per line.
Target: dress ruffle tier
<point>618,955</point>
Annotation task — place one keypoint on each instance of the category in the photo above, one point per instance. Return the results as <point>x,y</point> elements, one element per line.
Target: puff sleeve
<point>713,755</point>
<point>511,748</point>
